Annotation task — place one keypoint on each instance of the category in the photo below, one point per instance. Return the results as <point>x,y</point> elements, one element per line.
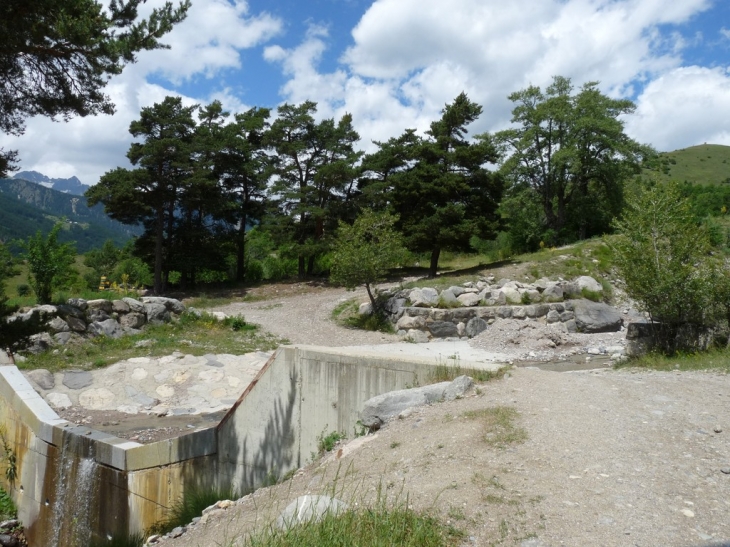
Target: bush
<point>23,290</point>
<point>664,257</point>
<point>254,271</point>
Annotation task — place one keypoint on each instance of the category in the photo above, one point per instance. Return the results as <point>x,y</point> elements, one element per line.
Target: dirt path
<point>612,458</point>
<point>306,318</point>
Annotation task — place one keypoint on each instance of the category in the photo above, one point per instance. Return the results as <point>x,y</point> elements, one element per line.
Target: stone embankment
<point>80,318</point>
<point>466,310</point>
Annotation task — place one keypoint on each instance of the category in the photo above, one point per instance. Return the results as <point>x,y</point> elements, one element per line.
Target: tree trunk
<point>241,251</point>
<point>372,298</point>
<point>310,266</point>
<point>434,262</point>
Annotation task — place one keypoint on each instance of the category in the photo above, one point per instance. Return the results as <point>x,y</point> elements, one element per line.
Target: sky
<point>394,64</point>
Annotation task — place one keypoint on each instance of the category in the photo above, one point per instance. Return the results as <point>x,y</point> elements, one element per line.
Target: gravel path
<point>612,458</point>
<point>306,318</point>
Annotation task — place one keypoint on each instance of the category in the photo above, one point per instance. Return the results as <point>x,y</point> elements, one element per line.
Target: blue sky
<point>393,64</point>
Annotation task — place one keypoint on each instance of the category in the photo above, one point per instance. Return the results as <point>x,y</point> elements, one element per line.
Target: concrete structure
<point>72,483</point>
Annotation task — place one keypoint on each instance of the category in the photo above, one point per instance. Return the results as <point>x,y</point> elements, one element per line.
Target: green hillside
<point>702,164</point>
<point>26,207</point>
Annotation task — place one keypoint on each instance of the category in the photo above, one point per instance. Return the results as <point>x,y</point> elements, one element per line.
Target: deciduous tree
<point>49,263</point>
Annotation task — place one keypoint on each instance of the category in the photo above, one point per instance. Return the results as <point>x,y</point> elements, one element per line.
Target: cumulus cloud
<point>684,107</point>
<point>206,43</point>
<point>414,56</point>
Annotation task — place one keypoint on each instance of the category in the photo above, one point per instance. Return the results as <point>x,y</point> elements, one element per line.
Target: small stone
<point>717,429</point>
<point>177,532</point>
<point>726,470</point>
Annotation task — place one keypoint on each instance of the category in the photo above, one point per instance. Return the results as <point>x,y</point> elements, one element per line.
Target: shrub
<point>23,290</point>
<point>664,257</point>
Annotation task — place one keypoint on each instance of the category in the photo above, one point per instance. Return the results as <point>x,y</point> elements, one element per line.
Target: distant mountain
<point>26,207</point>
<point>67,186</point>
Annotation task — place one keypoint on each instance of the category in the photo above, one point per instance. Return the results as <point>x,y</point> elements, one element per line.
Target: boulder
<point>79,303</point>
<point>394,305</point>
<point>588,283</point>
<point>42,378</point>
<point>132,320</point>
<point>76,324</point>
<point>59,400</point>
<point>62,338</point>
<point>424,298</point>
<point>456,290</point>
<point>308,508</point>
<point>448,298</point>
<point>553,317</point>
<point>570,326</point>
<point>39,343</point>
<point>407,322</point>
<point>592,317</point>
<point>519,312</point>
<point>134,305</point>
<point>511,295</point>
<point>171,304</point>
<point>77,379</point>
<point>57,324</point>
<point>95,314</point>
<point>417,336</point>
<point>552,293</point>
<point>443,329</point>
<point>366,308</point>
<point>108,327</point>
<point>100,304</point>
<point>156,312</point>
<point>531,295</point>
<point>379,409</point>
<point>120,306</point>
<point>469,299</point>
<point>65,311</point>
<point>475,326</point>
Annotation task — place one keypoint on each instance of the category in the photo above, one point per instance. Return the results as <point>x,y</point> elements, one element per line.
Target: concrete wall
<point>114,486</point>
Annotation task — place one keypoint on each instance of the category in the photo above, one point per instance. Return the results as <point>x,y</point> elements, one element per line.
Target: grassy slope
<point>703,164</point>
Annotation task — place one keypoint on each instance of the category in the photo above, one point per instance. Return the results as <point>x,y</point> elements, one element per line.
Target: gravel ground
<point>611,458</point>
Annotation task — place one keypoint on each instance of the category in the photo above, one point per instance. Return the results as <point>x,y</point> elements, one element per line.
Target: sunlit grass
<point>714,360</point>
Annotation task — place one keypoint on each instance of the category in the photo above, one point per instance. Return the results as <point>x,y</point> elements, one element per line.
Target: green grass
<point>703,164</point>
<point>190,334</point>
<point>346,314</point>
<point>446,372</point>
<point>382,525</point>
<point>325,443</point>
<point>191,505</point>
<point>7,507</point>
<point>715,360</point>
<point>499,428</point>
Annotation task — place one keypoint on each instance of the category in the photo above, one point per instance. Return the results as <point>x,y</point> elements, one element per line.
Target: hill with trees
<point>28,207</point>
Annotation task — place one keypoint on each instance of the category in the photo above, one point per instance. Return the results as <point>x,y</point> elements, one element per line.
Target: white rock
<point>59,400</point>
<point>588,283</point>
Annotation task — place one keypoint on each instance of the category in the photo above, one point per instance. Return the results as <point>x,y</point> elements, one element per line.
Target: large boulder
<point>469,299</point>
<point>588,283</point>
<point>406,322</point>
<point>424,298</point>
<point>448,298</point>
<point>552,293</point>
<point>132,320</point>
<point>381,408</point>
<point>592,317</point>
<point>156,312</point>
<point>108,327</point>
<point>475,326</point>
<point>134,305</point>
<point>443,329</point>
<point>171,304</point>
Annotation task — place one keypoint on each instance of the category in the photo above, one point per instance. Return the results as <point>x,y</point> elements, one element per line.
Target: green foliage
<point>663,257</point>
<point>237,323</point>
<point>191,505</point>
<point>23,290</point>
<point>715,360</point>
<point>7,506</point>
<point>446,372</point>
<point>58,55</point>
<point>704,164</point>
<point>570,155</point>
<point>49,263</point>
<point>364,252</point>
<point>325,443</point>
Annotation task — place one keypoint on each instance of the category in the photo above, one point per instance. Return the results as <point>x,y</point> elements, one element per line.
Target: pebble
<point>717,429</point>
<point>726,470</point>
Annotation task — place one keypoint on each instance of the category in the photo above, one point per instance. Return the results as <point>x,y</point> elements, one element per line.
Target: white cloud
<point>687,106</point>
<point>207,42</point>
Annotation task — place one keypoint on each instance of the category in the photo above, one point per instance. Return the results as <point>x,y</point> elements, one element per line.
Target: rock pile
<point>80,318</point>
<point>465,310</point>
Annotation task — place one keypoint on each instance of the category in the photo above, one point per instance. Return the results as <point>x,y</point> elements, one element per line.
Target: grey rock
<point>542,283</point>
<point>406,322</point>
<point>532,295</point>
<point>76,324</point>
<point>442,329</point>
<point>469,299</point>
<point>46,311</point>
<point>567,316</point>
<point>156,313</point>
<point>79,303</point>
<point>177,532</point>
<point>557,306</point>
<point>120,306</point>
<point>134,305</point>
<point>96,315</point>
<point>461,328</point>
<point>108,327</point>
<point>458,387</point>
<point>464,314</point>
<point>66,311</point>
<point>366,308</point>
<point>592,317</point>
<point>132,320</point>
<point>62,338</point>
<point>511,295</point>
<point>308,508</point>
<point>519,312</point>
<point>553,293</point>
<point>171,304</point>
<point>725,470</point>
<point>441,315</point>
<point>588,283</point>
<point>417,336</point>
<point>456,290</point>
<point>424,298</point>
<point>570,326</point>
<point>504,312</point>
<point>541,310</point>
<point>553,316</point>
<point>475,326</point>
<point>43,378</point>
<point>448,298</point>
<point>100,304</point>
<point>571,290</point>
<point>39,343</point>
<point>6,540</point>
<point>57,324</point>
<point>77,379</point>
<point>395,305</point>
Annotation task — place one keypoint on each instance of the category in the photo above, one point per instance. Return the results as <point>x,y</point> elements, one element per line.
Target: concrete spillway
<point>74,484</point>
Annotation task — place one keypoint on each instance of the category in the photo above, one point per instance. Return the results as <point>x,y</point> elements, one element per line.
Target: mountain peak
<point>70,185</point>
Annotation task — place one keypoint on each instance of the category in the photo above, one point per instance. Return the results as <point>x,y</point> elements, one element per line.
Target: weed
<point>325,443</point>
<point>191,505</point>
<point>394,444</point>
<point>594,296</point>
<point>499,428</point>
<point>7,507</point>
<point>456,513</point>
<point>238,323</point>
<point>446,372</point>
